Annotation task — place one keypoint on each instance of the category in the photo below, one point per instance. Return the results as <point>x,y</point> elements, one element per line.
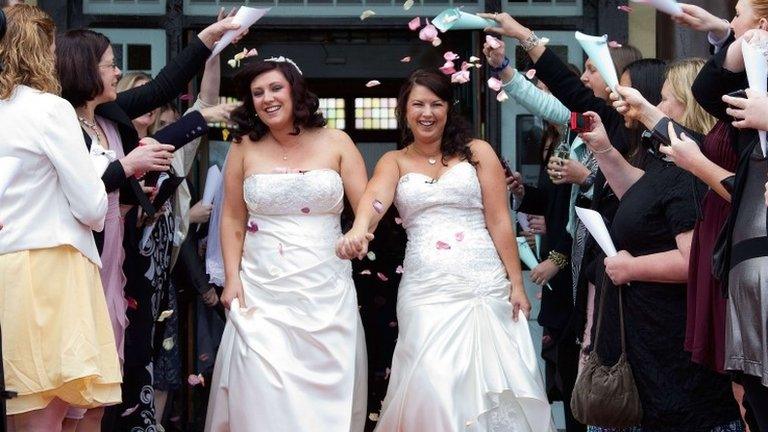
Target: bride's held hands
<point>520,302</point>
<point>233,289</point>
<point>353,245</point>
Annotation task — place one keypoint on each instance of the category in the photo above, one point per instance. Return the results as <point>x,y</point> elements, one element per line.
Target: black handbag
<point>607,396</point>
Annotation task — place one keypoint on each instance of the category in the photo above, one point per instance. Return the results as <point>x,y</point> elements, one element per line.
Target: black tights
<point>756,395</point>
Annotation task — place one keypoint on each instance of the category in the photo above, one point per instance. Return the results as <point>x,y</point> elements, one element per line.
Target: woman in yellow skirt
<point>58,346</point>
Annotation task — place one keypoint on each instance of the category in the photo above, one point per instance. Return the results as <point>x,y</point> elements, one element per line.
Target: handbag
<point>607,396</point>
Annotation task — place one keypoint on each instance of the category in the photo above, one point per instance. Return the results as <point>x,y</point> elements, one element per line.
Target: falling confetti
<point>441,245</point>
<point>204,357</point>
<point>367,14</point>
<point>436,41</point>
<point>492,41</point>
<point>414,24</point>
<point>450,56</point>
<point>132,303</point>
<point>405,59</point>
<point>459,236</point>
<point>371,256</point>
<point>460,77</point>
<point>398,221</point>
<point>382,277</point>
<point>252,227</point>
<point>129,411</point>
<point>448,68</point>
<point>195,380</point>
<point>614,44</point>
<point>373,417</point>
<point>624,8</point>
<point>502,96</point>
<point>428,33</point>
<point>168,343</point>
<point>225,134</point>
<point>399,269</point>
<point>474,59</point>
<point>372,83</point>
<point>494,84</point>
<point>233,63</point>
<point>186,97</point>
<point>164,314</point>
<point>393,324</point>
<point>365,272</point>
<point>530,74</point>
<point>408,4</point>
<point>378,206</point>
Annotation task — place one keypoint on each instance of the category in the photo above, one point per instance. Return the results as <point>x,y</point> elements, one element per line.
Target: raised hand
<point>597,139</point>
<point>215,31</point>
<point>634,107</point>
<point>508,26</point>
<point>566,171</point>
<point>699,19</point>
<point>515,185</point>
<point>749,113</point>
<point>495,56</point>
<point>150,155</point>
<point>219,113</point>
<point>683,151</point>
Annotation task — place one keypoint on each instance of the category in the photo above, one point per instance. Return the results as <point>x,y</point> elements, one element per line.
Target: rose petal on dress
<point>459,236</point>
<point>450,56</point>
<point>252,227</point>
<point>164,314</point>
<point>382,277</point>
<point>408,4</point>
<point>372,83</point>
<point>428,33</point>
<point>365,272</point>
<point>168,343</point>
<point>399,269</point>
<point>448,68</point>
<point>436,42</point>
<point>530,73</point>
<point>460,77</point>
<point>371,256</point>
<point>441,245</point>
<point>614,44</point>
<point>367,14</point>
<point>280,249</point>
<point>494,84</point>
<point>305,210</point>
<point>406,59</point>
<point>378,206</point>
<point>373,417</point>
<point>492,42</point>
<point>398,221</point>
<point>414,24</point>
<point>624,8</point>
<point>502,96</point>
<point>129,411</point>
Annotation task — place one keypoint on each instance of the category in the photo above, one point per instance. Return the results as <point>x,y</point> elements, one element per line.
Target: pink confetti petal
<point>460,77</point>
<point>132,303</point>
<point>365,272</point>
<point>204,357</point>
<point>502,96</point>
<point>393,324</point>
<point>382,277</point>
<point>252,53</point>
<point>414,24</point>
<point>129,411</point>
<point>405,59</point>
<point>465,66</point>
<point>614,44</point>
<point>195,380</point>
<point>378,206</point>
<point>492,41</point>
<point>450,56</point>
<point>280,249</point>
<point>372,83</point>
<point>186,97</point>
<point>252,227</point>
<point>624,8</point>
<point>428,33</point>
<point>494,84</point>
<point>459,236</point>
<point>305,210</point>
<point>441,245</point>
<point>448,68</point>
<point>399,269</point>
<point>398,221</point>
<point>530,74</point>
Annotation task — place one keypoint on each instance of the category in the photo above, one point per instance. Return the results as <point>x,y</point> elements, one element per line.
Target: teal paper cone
<point>456,19</point>
<point>527,256</point>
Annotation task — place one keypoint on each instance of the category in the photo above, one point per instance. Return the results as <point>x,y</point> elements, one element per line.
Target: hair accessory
<point>282,59</point>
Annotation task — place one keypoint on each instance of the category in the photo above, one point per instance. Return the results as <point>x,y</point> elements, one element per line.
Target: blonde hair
<point>25,51</point>
<point>680,76</point>
<point>129,80</point>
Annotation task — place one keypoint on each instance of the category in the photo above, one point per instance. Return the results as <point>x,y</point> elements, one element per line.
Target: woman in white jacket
<point>57,341</point>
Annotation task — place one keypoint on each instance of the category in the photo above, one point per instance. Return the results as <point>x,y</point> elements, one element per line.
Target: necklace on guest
<point>91,125</point>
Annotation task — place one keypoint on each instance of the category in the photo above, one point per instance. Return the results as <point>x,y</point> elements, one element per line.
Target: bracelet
<point>601,151</point>
<point>559,259</point>
<point>530,42</point>
<point>504,64</point>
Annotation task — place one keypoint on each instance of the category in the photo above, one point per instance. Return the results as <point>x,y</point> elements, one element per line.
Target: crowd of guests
<point>670,158</point>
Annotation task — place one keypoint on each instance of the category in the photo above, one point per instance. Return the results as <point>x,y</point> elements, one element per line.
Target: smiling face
<point>426,114</point>
<point>109,74</point>
<point>272,99</point>
<point>594,81</point>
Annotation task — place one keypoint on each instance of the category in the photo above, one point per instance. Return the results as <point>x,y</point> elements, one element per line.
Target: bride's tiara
<point>282,59</point>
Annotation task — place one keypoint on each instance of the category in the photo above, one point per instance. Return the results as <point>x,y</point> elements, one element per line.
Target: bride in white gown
<point>464,360</point>
<point>292,357</point>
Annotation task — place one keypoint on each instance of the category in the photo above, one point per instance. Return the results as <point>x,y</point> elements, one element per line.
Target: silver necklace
<point>432,160</point>
<point>91,125</point>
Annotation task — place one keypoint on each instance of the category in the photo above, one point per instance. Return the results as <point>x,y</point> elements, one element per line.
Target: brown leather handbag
<point>607,396</point>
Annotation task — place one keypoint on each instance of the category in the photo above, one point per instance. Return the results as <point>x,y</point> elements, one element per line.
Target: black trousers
<point>756,395</point>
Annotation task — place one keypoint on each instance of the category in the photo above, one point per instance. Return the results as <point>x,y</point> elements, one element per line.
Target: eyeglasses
<point>112,66</point>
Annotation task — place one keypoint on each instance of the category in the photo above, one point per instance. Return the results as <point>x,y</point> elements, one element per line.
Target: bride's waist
<point>312,229</point>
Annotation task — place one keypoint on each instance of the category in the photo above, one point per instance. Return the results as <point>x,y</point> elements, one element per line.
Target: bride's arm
<point>234,218</point>
<point>372,206</point>
<point>351,168</point>
<point>497,219</point>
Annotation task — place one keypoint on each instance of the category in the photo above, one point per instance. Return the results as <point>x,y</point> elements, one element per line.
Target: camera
<point>659,136</point>
<point>578,123</point>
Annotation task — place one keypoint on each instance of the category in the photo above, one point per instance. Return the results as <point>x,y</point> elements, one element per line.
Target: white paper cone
<point>9,167</point>
<point>596,48</point>
<point>667,6</point>
<point>596,227</point>
<point>757,75</point>
<point>246,17</point>
<point>456,19</point>
<point>212,182</point>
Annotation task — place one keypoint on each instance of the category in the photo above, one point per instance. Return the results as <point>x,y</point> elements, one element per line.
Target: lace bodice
<point>445,224</point>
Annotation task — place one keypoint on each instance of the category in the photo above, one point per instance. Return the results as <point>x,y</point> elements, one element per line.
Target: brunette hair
<point>456,135</point>
<point>305,103</point>
<point>78,53</point>
<point>647,76</point>
<point>26,51</point>
<point>623,55</point>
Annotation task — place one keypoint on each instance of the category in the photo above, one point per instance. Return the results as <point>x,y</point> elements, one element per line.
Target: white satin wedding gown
<point>294,359</point>
<point>461,363</point>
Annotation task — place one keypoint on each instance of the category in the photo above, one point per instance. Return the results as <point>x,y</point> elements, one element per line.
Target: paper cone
<point>757,74</point>
<point>246,17</point>
<point>9,167</point>
<point>456,19</point>
<point>527,256</point>
<point>667,6</point>
<point>596,227</point>
<point>596,48</point>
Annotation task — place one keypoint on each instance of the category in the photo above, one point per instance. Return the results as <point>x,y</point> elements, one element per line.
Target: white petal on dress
<point>461,363</point>
<point>293,359</point>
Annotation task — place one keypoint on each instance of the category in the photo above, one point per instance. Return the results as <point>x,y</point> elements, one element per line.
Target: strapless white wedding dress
<point>294,359</point>
<point>461,363</point>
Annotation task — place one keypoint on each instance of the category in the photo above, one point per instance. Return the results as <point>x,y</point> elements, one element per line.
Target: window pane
<point>375,113</point>
<point>333,111</point>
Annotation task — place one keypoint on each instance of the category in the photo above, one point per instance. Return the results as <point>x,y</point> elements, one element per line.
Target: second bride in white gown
<point>464,359</point>
<point>292,356</point>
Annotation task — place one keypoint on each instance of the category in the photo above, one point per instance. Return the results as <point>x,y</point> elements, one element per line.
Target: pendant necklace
<point>432,160</point>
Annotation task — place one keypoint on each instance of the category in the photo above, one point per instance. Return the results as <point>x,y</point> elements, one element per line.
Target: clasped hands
<point>353,244</point>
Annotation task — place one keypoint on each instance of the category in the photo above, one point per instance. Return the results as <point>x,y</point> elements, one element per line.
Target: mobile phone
<point>507,169</point>
<point>579,123</point>
<point>738,94</point>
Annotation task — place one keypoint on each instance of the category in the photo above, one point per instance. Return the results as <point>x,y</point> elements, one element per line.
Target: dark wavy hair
<point>305,103</point>
<point>647,76</point>
<point>78,53</point>
<point>457,133</point>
